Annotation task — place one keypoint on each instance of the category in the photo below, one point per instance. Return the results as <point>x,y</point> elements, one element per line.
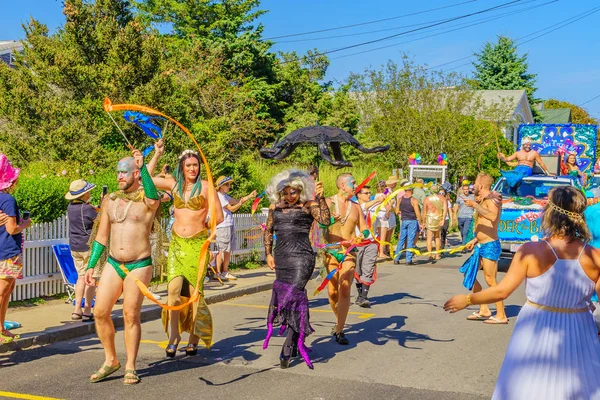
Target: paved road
<point>404,347</point>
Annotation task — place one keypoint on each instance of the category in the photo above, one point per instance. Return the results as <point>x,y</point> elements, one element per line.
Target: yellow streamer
<point>212,194</point>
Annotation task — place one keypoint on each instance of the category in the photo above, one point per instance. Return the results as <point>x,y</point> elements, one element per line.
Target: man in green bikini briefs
<point>126,218</point>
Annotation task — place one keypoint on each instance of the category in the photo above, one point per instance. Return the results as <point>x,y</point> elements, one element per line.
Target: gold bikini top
<point>194,203</point>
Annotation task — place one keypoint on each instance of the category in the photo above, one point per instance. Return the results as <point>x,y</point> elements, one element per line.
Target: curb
<point>148,313</point>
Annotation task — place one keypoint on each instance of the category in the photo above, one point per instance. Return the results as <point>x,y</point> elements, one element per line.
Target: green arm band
<point>149,188</point>
<point>331,222</point>
<point>366,233</point>
<point>97,250</point>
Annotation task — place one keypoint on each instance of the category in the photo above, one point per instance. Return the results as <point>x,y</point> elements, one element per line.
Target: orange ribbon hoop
<point>212,194</point>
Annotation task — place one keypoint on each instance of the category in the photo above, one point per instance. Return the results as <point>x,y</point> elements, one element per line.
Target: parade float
<point>520,220</point>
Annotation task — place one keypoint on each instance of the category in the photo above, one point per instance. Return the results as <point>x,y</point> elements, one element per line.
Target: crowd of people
<point>553,352</point>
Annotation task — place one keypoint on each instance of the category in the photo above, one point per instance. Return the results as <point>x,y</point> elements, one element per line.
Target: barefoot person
<point>126,219</point>
<point>346,217</point>
<point>435,209</point>
<point>526,157</point>
<point>291,215</point>
<point>486,247</point>
<point>554,352</point>
<point>190,194</point>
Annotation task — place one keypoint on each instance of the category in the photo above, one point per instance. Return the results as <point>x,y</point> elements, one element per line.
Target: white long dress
<point>553,354</point>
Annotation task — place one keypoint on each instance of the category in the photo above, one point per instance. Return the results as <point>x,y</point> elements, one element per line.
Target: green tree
<point>500,67</point>
<point>416,111</point>
<point>579,115</point>
<point>51,103</point>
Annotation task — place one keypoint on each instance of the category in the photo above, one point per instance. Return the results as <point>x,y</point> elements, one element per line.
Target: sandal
<point>478,317</point>
<point>171,349</point>
<point>131,377</point>
<point>104,372</point>
<point>5,339</point>
<point>10,335</point>
<point>88,318</point>
<point>75,316</point>
<point>495,321</point>
<point>191,349</point>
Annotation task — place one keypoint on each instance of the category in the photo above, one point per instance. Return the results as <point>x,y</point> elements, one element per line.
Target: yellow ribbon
<point>212,194</point>
<point>418,253</point>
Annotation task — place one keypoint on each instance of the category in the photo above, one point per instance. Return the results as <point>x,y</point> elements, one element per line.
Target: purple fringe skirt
<point>289,308</point>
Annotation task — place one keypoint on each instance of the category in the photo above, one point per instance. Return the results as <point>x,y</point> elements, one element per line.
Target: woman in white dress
<point>554,351</point>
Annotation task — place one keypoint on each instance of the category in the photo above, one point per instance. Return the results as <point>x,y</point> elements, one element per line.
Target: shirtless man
<point>435,208</point>
<point>126,217</point>
<point>487,250</point>
<point>346,216</point>
<point>525,158</point>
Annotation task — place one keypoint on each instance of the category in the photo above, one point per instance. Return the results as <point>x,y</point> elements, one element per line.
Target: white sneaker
<point>206,279</point>
<point>228,276</point>
<point>220,276</point>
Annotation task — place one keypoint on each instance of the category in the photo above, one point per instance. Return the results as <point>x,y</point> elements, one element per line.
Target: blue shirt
<point>10,245</point>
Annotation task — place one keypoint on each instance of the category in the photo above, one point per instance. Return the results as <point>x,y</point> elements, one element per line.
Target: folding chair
<point>62,252</point>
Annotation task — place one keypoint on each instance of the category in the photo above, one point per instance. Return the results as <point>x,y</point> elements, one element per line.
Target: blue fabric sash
<point>490,250</point>
<point>514,177</point>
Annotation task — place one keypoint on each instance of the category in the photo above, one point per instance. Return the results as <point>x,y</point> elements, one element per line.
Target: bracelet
<point>469,300</point>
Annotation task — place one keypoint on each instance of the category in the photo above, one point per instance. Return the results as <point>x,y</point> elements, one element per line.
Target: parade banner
<point>551,139</point>
<point>520,225</point>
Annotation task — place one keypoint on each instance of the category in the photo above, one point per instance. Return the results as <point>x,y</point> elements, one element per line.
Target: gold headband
<point>573,215</point>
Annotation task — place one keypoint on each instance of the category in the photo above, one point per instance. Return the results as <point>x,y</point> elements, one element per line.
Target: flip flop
<point>131,375</point>
<point>495,321</point>
<point>478,317</point>
<point>75,316</point>
<point>88,318</point>
<point>104,372</point>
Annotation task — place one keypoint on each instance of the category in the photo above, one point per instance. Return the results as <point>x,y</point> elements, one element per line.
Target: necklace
<point>342,221</point>
<point>118,219</point>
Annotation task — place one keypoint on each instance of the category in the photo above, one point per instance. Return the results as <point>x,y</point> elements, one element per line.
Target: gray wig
<point>292,178</point>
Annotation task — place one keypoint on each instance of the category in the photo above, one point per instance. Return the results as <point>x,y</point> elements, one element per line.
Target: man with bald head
<point>525,157</point>
<point>486,246</point>
<point>347,216</point>
<point>126,220</point>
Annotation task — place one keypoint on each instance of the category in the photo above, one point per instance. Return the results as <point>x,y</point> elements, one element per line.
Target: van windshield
<point>537,188</point>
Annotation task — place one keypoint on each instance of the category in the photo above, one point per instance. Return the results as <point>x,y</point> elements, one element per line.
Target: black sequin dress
<point>294,265</point>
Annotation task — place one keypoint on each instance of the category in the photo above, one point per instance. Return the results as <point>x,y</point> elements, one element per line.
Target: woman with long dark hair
<point>190,195</point>
<point>291,216</point>
<point>554,352</point>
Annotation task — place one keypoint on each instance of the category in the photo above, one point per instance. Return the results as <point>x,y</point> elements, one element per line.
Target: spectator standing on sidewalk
<point>81,217</point>
<point>464,213</point>
<point>225,237</point>
<point>11,242</point>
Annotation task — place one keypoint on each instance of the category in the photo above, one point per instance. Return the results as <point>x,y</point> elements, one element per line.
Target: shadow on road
<point>59,348</point>
<point>378,331</point>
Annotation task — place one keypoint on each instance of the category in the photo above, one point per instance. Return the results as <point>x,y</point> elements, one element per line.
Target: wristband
<point>96,253</point>
<point>331,222</point>
<point>149,188</point>
<point>366,233</point>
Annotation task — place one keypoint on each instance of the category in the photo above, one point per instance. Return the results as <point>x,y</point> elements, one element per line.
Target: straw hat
<point>392,180</point>
<point>222,180</point>
<point>8,174</point>
<point>78,188</point>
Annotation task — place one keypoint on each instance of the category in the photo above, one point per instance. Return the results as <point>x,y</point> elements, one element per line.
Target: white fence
<point>41,274</point>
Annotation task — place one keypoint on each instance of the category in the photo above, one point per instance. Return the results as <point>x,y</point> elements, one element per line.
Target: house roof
<point>7,46</point>
<point>516,99</point>
<point>555,115</point>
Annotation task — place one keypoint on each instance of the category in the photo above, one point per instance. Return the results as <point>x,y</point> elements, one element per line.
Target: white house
<point>7,49</point>
<point>518,105</point>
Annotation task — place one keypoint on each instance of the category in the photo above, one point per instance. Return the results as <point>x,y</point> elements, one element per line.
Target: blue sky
<point>567,65</point>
